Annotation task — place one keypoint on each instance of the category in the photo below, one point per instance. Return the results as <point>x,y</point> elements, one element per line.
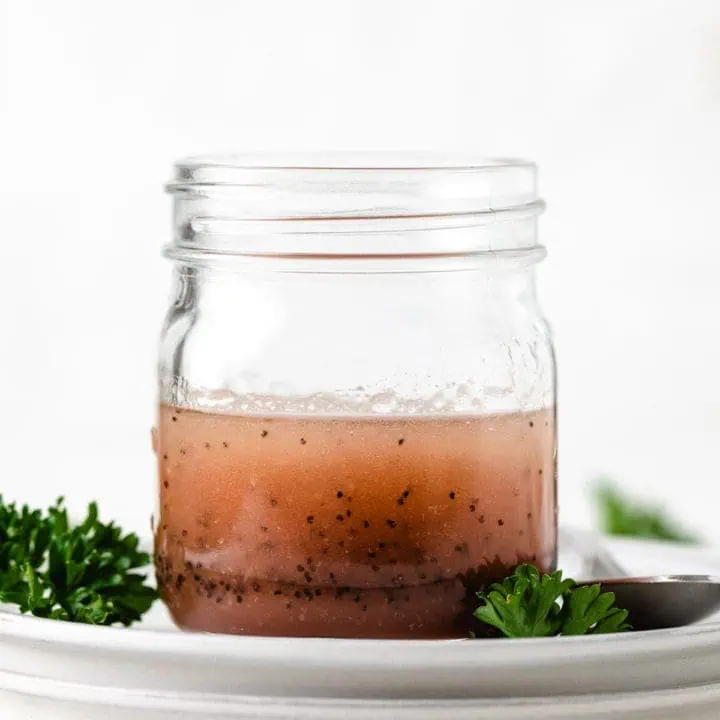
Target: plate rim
<point>160,642</point>
<point>246,648</point>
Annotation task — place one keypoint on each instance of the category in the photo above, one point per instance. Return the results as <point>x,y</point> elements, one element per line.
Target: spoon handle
<point>601,563</point>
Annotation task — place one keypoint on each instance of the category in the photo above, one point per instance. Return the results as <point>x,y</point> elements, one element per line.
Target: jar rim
<point>353,205</point>
<point>384,160</point>
<point>334,185</point>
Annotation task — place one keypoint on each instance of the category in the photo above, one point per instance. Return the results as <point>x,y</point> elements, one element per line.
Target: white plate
<point>57,670</point>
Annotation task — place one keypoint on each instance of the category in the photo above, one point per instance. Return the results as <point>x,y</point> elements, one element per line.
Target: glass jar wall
<point>357,420</point>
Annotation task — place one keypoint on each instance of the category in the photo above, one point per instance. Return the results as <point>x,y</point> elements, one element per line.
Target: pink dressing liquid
<point>348,526</point>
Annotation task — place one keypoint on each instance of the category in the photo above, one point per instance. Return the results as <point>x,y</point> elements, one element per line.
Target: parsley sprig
<point>621,515</point>
<point>82,573</point>
<point>528,604</point>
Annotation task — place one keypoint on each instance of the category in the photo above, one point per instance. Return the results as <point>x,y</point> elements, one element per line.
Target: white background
<point>618,102</point>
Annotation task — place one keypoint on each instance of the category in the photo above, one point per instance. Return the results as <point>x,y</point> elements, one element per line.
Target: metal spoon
<point>654,602</point>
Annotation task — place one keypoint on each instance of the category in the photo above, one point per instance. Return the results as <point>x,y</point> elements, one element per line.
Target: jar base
<point>439,609</point>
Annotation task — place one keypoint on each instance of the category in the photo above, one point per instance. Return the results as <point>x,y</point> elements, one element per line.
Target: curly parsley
<point>81,573</point>
<point>528,604</point>
<point>620,515</point>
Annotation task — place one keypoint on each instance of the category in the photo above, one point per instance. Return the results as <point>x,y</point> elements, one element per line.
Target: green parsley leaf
<point>621,516</point>
<point>528,604</point>
<point>80,573</point>
<point>588,610</point>
<point>524,604</point>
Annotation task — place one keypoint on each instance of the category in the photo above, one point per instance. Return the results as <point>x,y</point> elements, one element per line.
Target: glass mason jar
<point>357,395</point>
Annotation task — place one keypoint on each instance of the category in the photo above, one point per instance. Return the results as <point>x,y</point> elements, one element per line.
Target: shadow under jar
<point>357,422</point>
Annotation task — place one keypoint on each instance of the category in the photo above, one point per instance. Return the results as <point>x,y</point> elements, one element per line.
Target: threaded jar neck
<point>353,206</point>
